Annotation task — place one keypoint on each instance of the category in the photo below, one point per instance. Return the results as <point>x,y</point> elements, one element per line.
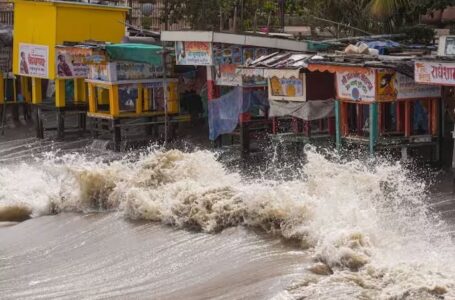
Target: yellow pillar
<point>92,98</point>
<point>140,99</point>
<point>2,88</point>
<point>60,92</point>
<point>80,93</point>
<point>25,90</point>
<point>114,101</point>
<point>146,99</point>
<point>36,90</point>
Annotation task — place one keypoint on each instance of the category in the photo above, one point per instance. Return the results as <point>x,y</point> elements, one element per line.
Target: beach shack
<point>43,30</point>
<point>439,71</point>
<point>301,102</point>
<point>133,89</point>
<point>379,105</point>
<point>237,105</point>
<point>7,81</point>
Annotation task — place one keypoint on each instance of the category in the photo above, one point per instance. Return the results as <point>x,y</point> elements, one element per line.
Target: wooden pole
<point>165,92</point>
<point>373,126</point>
<point>407,119</point>
<point>338,124</point>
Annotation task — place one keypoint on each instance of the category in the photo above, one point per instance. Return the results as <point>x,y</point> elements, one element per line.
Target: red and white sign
<point>441,73</point>
<point>356,86</point>
<point>33,60</point>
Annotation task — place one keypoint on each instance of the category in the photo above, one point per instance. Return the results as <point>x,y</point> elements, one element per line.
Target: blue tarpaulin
<point>224,112</point>
<point>382,46</point>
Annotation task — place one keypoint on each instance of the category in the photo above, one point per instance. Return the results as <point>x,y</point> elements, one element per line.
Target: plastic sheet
<point>308,111</point>
<point>224,112</point>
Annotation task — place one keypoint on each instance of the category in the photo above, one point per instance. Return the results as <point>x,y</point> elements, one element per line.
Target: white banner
<point>194,53</point>
<point>441,73</point>
<point>33,60</point>
<point>356,86</point>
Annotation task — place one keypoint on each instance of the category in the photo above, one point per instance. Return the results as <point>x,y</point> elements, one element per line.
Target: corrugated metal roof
<point>404,65</point>
<point>286,60</point>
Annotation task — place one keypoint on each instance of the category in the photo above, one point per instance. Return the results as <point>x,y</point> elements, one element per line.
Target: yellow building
<point>40,26</point>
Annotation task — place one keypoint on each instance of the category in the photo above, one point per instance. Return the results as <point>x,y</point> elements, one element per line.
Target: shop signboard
<point>288,89</point>
<point>194,53</point>
<point>71,62</point>
<point>441,73</point>
<point>386,85</point>
<point>120,71</point>
<point>227,54</point>
<point>358,86</point>
<point>408,89</point>
<point>253,77</point>
<point>33,60</point>
<point>226,75</point>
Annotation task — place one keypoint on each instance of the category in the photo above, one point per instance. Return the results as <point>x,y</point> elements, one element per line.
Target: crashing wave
<point>367,226</point>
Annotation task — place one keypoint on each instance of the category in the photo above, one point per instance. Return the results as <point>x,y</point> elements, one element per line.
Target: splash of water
<point>366,225</point>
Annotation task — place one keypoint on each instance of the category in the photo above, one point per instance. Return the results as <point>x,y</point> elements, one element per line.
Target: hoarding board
<point>118,71</point>
<point>287,89</point>
<point>33,60</point>
<point>194,53</point>
<point>356,86</point>
<point>71,62</point>
<point>442,73</point>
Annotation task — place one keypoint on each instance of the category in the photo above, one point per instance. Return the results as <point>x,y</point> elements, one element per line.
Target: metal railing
<point>6,17</point>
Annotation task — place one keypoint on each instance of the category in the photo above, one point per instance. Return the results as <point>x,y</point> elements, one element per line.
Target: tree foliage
<point>376,16</point>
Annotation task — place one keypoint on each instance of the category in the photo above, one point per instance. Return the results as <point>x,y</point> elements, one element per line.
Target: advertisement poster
<point>194,53</point>
<point>356,86</point>
<point>71,62</point>
<point>227,54</point>
<point>435,73</point>
<point>120,71</point>
<point>386,85</point>
<point>289,89</point>
<point>33,60</point>
<point>136,71</point>
<point>103,72</point>
<point>249,54</point>
<point>226,75</point>
<point>252,77</point>
<point>409,89</point>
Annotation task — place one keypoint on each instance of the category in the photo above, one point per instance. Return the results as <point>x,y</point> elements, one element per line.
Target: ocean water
<point>172,224</point>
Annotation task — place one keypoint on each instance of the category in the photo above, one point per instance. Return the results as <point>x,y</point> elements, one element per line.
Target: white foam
<point>367,222</point>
